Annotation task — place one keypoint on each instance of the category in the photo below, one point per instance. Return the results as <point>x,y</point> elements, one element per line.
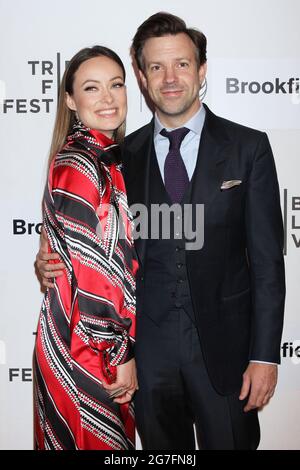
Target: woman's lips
<point>107,113</point>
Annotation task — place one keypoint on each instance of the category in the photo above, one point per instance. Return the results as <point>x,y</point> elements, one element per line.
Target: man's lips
<point>171,92</point>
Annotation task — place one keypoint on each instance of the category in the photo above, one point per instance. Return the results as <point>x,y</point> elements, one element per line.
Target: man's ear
<point>202,72</point>
<point>70,102</point>
<point>143,79</point>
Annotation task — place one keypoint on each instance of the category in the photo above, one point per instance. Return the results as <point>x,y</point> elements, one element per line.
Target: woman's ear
<point>70,102</point>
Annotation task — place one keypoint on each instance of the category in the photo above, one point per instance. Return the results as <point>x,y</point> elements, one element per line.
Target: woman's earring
<point>203,89</point>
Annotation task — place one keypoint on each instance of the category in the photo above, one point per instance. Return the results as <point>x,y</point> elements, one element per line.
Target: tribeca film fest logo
<point>45,73</point>
<point>16,373</point>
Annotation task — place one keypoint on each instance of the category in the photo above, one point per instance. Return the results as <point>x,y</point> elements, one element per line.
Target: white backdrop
<point>255,42</point>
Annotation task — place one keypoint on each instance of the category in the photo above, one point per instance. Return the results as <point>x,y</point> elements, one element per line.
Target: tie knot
<point>175,137</point>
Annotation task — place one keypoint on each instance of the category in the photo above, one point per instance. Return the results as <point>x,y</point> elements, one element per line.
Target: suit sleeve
<point>264,230</point>
<point>76,191</point>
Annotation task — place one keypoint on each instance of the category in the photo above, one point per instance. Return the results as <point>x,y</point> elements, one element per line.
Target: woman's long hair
<point>65,118</point>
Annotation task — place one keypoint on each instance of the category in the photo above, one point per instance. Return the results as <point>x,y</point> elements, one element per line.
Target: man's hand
<point>260,381</point>
<point>46,269</point>
<point>126,382</point>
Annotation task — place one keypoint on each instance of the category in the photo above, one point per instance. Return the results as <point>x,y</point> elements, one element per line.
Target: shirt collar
<point>194,124</point>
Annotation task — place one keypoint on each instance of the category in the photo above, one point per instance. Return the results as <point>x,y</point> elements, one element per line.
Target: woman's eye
<point>90,88</point>
<point>118,85</point>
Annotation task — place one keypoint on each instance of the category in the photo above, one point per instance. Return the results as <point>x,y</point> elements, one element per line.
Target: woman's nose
<point>106,96</point>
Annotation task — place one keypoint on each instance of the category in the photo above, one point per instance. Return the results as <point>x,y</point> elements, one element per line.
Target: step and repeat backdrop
<point>253,78</point>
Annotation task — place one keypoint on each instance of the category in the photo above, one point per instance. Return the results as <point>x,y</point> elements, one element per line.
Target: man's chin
<point>173,110</point>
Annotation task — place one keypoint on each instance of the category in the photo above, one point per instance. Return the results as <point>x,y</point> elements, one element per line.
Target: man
<point>209,319</point>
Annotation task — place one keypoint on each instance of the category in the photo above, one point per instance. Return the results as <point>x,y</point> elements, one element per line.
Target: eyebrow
<point>177,59</point>
<point>97,81</point>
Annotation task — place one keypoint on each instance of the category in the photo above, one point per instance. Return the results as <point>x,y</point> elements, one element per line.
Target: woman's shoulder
<point>74,157</point>
<point>74,152</point>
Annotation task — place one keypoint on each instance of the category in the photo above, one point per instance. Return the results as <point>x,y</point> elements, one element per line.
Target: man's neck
<point>172,122</point>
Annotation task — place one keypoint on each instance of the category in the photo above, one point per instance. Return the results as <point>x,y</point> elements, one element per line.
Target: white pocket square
<point>230,184</point>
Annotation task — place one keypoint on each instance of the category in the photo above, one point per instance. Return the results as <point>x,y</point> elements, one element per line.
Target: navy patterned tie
<point>176,177</point>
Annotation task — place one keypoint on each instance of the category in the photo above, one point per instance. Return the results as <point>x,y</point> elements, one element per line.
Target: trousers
<point>176,396</point>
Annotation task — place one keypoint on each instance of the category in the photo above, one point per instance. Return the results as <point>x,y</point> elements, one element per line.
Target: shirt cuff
<point>265,362</point>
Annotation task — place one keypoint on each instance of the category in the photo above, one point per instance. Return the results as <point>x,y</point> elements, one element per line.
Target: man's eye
<point>155,68</point>
<point>183,65</point>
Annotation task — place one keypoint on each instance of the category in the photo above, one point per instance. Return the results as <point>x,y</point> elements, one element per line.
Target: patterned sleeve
<point>99,277</point>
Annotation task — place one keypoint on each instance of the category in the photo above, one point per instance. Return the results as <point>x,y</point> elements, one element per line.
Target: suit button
<point>178,304</point>
<point>179,265</point>
<point>142,278</point>
<point>177,249</point>
<point>180,280</point>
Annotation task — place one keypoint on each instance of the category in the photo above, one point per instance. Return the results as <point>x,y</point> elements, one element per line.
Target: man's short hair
<point>164,24</point>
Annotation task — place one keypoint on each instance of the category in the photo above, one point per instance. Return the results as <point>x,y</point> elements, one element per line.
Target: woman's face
<point>99,95</point>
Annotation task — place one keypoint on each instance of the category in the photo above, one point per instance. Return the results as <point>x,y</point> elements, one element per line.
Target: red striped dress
<point>87,320</point>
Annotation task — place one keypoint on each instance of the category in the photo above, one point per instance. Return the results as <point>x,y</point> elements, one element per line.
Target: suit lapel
<point>137,155</point>
<point>212,155</point>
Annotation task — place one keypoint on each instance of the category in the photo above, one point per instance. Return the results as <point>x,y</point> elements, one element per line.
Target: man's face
<point>172,77</point>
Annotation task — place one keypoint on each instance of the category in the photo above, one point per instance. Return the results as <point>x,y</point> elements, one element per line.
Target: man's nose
<point>170,75</point>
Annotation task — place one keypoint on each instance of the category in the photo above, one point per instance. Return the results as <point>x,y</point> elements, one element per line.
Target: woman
<point>85,373</point>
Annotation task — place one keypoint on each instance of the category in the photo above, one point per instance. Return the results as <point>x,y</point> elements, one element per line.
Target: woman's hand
<point>48,265</point>
<point>126,383</point>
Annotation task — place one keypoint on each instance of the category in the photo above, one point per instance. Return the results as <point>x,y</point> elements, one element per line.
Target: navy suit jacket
<point>237,279</point>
